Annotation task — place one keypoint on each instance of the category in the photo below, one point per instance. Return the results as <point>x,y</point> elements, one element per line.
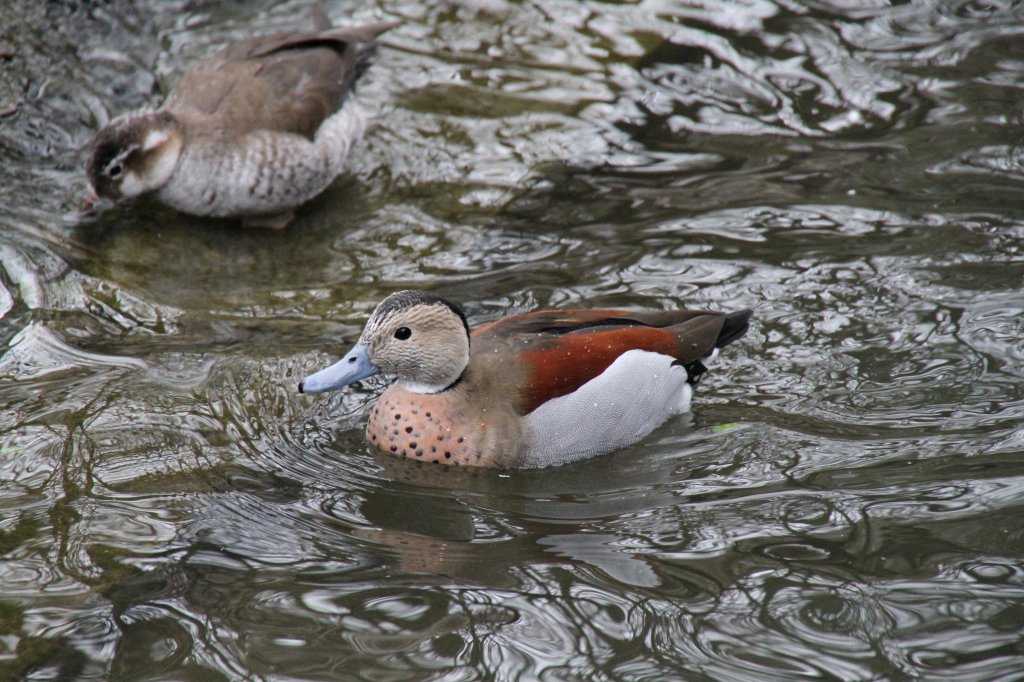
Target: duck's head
<point>135,153</point>
<point>419,337</point>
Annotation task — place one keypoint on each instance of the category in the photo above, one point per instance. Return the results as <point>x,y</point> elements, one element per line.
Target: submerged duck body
<point>539,389</point>
<point>252,131</point>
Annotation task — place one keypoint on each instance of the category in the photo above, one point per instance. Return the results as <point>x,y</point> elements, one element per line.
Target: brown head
<point>134,154</point>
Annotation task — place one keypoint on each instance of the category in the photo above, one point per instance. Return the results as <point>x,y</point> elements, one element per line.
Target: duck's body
<point>534,390</point>
<point>252,131</point>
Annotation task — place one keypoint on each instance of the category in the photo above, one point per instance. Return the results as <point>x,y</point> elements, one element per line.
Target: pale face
<point>425,344</point>
<point>134,154</point>
<point>415,335</point>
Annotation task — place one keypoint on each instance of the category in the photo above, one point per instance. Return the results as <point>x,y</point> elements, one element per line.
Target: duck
<point>251,132</point>
<point>533,390</point>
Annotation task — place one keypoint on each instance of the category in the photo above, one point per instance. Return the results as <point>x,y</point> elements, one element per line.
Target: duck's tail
<point>735,325</point>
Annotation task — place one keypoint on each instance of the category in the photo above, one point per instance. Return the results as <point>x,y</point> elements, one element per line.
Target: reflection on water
<point>844,501</point>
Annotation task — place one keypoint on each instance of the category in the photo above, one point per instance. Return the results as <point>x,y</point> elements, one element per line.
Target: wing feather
<point>568,361</point>
<point>287,82</point>
<point>561,350</point>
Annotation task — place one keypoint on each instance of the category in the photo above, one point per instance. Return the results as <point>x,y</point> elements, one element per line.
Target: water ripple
<point>843,500</point>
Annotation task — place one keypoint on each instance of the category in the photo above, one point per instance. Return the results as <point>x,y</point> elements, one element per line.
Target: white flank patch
<point>636,394</point>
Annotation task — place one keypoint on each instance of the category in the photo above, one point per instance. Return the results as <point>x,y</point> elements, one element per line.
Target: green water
<point>844,501</point>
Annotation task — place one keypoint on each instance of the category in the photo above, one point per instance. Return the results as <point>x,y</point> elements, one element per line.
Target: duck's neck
<point>422,388</point>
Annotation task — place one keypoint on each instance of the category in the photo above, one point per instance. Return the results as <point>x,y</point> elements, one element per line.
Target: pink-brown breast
<point>441,428</point>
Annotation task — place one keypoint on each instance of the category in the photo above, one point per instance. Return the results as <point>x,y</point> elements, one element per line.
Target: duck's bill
<point>354,366</point>
<point>93,204</point>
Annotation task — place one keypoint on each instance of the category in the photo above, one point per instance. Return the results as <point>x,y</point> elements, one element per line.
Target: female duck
<point>252,131</point>
<point>533,390</point>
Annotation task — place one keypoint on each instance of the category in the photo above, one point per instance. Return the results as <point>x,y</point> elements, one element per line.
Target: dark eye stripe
<point>120,158</point>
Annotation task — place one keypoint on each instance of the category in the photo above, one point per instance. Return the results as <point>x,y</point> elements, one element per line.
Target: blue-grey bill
<point>354,366</point>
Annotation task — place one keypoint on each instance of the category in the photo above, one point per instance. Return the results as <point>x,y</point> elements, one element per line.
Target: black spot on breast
<point>412,445</point>
<point>408,429</point>
<point>398,417</point>
<point>394,448</point>
<point>447,455</point>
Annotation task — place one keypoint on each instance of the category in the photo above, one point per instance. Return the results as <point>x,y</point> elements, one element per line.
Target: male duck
<point>252,131</point>
<point>533,390</point>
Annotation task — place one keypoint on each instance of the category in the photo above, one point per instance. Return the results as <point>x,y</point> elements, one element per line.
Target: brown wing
<point>288,82</point>
<point>560,350</point>
<point>541,321</point>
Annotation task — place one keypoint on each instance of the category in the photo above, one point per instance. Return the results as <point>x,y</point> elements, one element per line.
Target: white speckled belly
<point>263,172</point>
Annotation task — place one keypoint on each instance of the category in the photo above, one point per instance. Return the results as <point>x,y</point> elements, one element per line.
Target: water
<point>844,502</point>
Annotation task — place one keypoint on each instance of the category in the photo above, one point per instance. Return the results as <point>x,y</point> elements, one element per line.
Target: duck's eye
<point>115,170</point>
<point>402,333</point>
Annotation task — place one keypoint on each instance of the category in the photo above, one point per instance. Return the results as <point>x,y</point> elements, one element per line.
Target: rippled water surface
<point>846,500</point>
